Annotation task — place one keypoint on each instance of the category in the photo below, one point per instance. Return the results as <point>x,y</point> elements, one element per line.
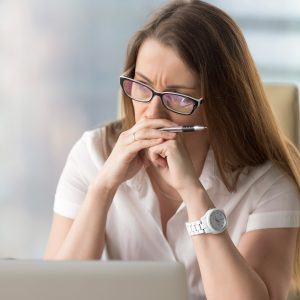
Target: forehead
<point>157,60</point>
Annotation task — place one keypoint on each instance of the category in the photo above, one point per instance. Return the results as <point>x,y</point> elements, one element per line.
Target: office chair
<point>285,105</point>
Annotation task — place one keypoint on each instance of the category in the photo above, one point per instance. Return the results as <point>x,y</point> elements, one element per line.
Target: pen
<point>183,128</point>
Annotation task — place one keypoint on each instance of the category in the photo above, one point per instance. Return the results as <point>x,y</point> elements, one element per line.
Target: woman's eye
<point>143,88</point>
<point>185,101</point>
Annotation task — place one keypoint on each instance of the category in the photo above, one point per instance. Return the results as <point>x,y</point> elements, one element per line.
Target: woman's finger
<point>152,123</point>
<point>140,145</point>
<point>149,133</point>
<point>157,155</point>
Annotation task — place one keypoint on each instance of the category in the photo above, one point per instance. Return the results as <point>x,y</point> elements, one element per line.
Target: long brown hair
<point>237,112</point>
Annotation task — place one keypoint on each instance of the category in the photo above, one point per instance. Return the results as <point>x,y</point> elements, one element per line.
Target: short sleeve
<point>279,207</point>
<point>82,165</point>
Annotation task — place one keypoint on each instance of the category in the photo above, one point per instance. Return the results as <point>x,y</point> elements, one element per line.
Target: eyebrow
<point>168,86</point>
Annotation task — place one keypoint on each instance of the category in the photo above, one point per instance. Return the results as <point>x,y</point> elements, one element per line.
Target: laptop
<point>91,280</point>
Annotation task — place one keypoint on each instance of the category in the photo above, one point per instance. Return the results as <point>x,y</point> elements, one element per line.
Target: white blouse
<point>265,198</point>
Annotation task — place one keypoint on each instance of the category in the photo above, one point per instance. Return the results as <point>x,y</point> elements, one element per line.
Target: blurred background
<point>59,67</point>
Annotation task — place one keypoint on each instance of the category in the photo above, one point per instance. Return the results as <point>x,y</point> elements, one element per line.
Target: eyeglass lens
<point>142,93</point>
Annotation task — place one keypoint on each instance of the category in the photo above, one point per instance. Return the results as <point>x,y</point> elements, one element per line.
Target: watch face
<point>217,220</point>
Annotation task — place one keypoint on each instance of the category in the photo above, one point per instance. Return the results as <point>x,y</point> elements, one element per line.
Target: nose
<point>155,109</point>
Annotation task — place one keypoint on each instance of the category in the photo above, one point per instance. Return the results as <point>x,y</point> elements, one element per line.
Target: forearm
<point>225,273</point>
<point>86,238</point>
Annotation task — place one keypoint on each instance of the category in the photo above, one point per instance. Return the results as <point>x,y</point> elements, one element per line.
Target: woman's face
<point>161,68</point>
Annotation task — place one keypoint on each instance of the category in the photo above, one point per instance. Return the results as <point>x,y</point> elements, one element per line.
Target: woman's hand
<point>174,163</point>
<point>124,161</point>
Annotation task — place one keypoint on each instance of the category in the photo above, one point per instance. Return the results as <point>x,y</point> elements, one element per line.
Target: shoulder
<point>88,147</point>
<point>274,198</point>
<point>268,187</point>
<point>84,161</point>
<point>265,197</point>
<point>95,145</point>
<point>265,177</point>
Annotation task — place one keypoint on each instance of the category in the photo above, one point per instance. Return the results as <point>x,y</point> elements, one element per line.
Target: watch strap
<point>194,228</point>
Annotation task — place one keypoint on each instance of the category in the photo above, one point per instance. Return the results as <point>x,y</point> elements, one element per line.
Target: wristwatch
<point>214,221</point>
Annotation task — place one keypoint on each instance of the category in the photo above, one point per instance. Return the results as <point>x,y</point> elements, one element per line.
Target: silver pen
<point>185,128</point>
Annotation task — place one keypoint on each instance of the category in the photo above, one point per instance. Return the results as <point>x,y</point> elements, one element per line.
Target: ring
<point>133,137</point>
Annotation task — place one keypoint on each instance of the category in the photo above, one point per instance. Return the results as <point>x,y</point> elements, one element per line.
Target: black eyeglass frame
<point>196,102</point>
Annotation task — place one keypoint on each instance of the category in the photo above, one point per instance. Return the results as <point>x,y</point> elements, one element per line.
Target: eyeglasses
<point>178,103</point>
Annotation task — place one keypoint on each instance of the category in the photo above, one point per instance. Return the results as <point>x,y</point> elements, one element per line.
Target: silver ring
<point>133,137</point>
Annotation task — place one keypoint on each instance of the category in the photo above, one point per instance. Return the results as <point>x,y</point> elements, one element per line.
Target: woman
<point>131,186</point>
